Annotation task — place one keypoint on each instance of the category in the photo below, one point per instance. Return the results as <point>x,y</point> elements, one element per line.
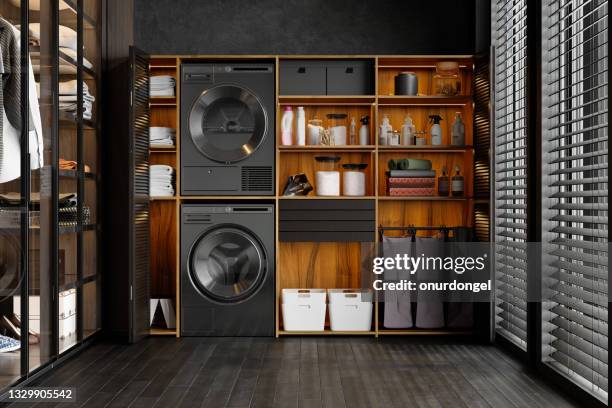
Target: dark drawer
<point>327,221</point>
<point>350,77</point>
<point>302,78</point>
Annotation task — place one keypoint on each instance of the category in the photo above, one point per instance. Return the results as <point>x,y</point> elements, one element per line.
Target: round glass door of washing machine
<point>227,264</point>
<point>227,123</point>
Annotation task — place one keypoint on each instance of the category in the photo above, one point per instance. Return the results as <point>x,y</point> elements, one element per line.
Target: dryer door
<point>227,264</point>
<point>227,123</point>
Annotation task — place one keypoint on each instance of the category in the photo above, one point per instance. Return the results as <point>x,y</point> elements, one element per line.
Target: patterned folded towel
<point>411,173</point>
<point>409,191</point>
<point>401,182</point>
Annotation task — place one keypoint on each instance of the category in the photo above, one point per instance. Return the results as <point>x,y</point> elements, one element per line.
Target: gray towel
<point>398,310</point>
<point>430,313</point>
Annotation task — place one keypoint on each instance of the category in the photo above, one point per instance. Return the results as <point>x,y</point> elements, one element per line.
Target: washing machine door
<point>227,264</point>
<point>227,123</point>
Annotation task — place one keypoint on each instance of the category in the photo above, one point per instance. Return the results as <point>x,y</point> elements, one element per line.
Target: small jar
<point>447,79</point>
<point>337,128</point>
<point>327,176</point>
<point>315,131</point>
<point>354,179</point>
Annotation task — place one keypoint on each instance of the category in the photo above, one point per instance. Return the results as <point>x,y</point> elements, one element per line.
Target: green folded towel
<point>409,164</point>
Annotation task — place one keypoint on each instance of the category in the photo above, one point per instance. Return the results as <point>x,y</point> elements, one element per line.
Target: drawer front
<point>302,78</point>
<point>327,221</point>
<point>350,78</point>
<point>212,178</point>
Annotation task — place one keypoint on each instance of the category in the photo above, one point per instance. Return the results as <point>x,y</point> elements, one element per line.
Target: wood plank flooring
<point>300,372</point>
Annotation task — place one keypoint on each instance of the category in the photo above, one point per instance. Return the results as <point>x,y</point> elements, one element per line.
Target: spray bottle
<point>364,131</point>
<point>436,130</point>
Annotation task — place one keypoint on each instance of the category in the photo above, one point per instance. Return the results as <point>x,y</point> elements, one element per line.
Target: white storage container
<point>350,309</point>
<point>303,309</point>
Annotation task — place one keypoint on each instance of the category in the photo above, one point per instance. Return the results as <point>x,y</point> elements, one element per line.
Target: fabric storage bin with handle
<point>350,309</point>
<point>303,309</point>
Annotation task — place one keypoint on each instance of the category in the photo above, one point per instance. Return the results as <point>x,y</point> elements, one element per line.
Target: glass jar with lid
<point>447,79</point>
<point>354,179</point>
<point>337,123</point>
<point>327,176</point>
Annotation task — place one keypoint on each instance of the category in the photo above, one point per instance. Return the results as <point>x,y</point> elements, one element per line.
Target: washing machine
<point>227,128</point>
<point>227,270</point>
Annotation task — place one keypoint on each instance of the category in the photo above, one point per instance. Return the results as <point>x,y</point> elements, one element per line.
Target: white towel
<point>161,178</point>
<point>161,169</point>
<point>67,36</point>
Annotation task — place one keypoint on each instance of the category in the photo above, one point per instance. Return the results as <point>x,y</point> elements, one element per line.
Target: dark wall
<point>305,26</point>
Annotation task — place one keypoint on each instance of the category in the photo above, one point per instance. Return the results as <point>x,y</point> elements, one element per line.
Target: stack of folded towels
<point>68,98</point>
<point>67,45</point>
<point>411,177</point>
<point>161,85</point>
<point>161,179</point>
<point>161,136</point>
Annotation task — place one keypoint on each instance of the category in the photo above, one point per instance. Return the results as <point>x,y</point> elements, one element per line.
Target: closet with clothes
<point>50,64</point>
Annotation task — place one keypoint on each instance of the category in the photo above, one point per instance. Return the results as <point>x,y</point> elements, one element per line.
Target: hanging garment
<point>10,105</point>
<point>430,306</point>
<point>398,310</point>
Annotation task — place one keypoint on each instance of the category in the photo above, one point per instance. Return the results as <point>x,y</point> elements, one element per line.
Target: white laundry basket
<point>303,309</point>
<point>350,309</point>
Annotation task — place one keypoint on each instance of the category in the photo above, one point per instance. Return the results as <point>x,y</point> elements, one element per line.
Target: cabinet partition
<point>326,262</point>
<point>49,183</point>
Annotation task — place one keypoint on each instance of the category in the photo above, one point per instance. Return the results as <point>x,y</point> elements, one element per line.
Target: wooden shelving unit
<point>342,260</point>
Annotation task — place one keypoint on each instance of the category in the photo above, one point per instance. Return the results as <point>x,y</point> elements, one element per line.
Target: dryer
<point>227,270</point>
<point>227,128</point>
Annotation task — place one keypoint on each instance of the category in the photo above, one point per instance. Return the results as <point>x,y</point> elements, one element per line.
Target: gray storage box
<point>350,77</point>
<point>302,78</point>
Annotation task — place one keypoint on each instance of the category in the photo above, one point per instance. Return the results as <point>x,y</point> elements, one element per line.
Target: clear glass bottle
<point>457,183</point>
<point>447,79</point>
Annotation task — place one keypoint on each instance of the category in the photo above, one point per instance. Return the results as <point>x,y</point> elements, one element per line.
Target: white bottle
<point>301,126</point>
<point>353,132</point>
<point>458,131</point>
<point>436,130</point>
<point>287,127</point>
<point>385,129</point>
<point>364,131</point>
<point>408,131</point>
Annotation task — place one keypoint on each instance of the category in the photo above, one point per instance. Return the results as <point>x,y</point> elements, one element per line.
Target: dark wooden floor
<point>300,372</point>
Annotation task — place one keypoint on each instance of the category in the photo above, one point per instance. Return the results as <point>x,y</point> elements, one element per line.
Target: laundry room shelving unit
<point>341,263</point>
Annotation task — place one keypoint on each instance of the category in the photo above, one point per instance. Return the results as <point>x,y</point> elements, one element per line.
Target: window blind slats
<point>568,326</point>
<point>597,273</point>
<point>578,319</point>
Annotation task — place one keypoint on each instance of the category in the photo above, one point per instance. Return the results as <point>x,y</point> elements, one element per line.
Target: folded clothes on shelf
<point>67,36</point>
<point>71,165</point>
<point>411,191</point>
<point>411,182</point>
<point>161,179</point>
<point>162,85</point>
<point>161,136</point>
<point>409,164</point>
<point>411,173</point>
<point>14,199</point>
<point>68,98</point>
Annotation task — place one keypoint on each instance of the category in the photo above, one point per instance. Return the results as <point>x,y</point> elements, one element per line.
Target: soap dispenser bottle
<point>436,130</point>
<point>385,129</point>
<point>444,183</point>
<point>364,131</point>
<point>408,131</point>
<point>458,131</point>
<point>457,183</point>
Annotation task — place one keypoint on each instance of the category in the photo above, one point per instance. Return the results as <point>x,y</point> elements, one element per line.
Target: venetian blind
<point>509,37</point>
<point>575,195</point>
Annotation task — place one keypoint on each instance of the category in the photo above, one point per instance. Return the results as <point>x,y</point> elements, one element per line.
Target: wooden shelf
<point>155,331</point>
<point>316,148</point>
<point>313,197</point>
<point>422,198</point>
<point>326,332</point>
<point>326,99</point>
<point>162,149</point>
<point>162,198</point>
<point>402,100</point>
<point>236,197</point>
<point>425,149</point>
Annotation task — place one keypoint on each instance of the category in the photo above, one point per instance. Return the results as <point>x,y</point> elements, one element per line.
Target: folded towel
<point>412,173</point>
<point>412,164</point>
<point>160,179</point>
<point>411,192</point>
<point>401,182</point>
<point>161,168</point>
<point>67,36</point>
